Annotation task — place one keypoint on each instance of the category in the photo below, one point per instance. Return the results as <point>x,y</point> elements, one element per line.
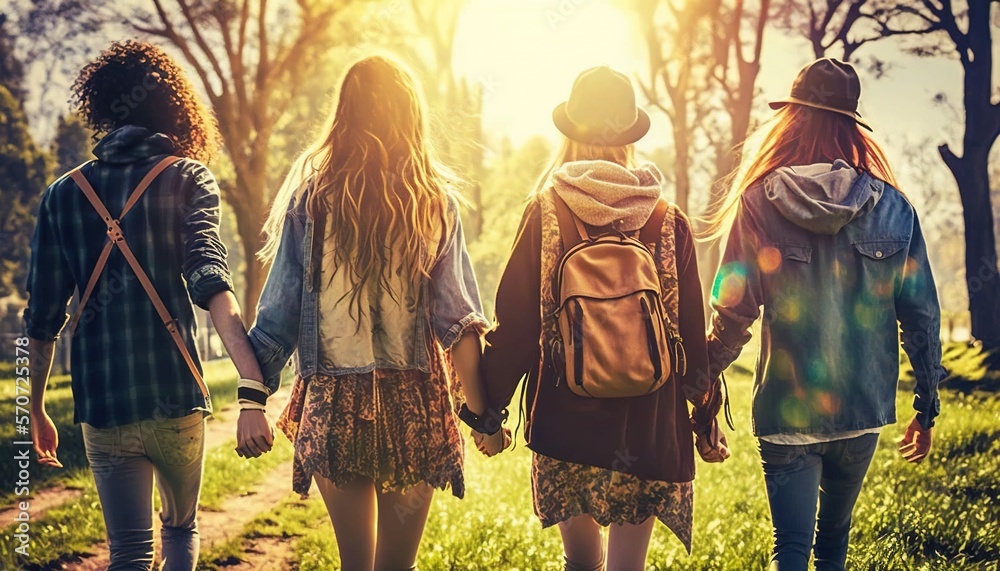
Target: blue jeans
<point>799,477</point>
<point>124,460</point>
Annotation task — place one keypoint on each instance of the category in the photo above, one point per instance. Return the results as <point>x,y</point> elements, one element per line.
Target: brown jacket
<point>650,436</point>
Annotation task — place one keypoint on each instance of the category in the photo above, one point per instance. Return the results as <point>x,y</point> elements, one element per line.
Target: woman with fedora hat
<point>822,240</point>
<point>599,462</point>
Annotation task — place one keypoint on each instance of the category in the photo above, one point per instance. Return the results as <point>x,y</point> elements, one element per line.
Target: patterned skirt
<point>396,428</point>
<point>562,490</point>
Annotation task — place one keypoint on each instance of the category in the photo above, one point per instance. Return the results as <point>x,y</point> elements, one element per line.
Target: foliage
<point>72,143</point>
<point>510,179</point>
<point>24,173</point>
<point>11,68</point>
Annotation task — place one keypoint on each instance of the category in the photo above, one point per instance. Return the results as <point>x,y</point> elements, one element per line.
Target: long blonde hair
<point>798,135</point>
<point>373,173</point>
<point>570,151</point>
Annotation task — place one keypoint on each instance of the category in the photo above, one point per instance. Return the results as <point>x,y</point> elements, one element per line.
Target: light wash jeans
<point>124,460</point>
<point>800,477</point>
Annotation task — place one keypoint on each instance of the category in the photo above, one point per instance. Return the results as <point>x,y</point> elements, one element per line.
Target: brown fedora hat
<point>827,84</point>
<point>601,110</point>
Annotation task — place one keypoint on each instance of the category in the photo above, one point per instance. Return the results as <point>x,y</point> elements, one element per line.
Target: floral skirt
<point>396,428</point>
<point>562,490</point>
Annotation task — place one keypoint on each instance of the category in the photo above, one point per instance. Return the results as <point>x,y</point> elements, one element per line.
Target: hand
<point>916,443</point>
<point>46,439</point>
<point>492,444</point>
<point>711,445</point>
<point>254,434</point>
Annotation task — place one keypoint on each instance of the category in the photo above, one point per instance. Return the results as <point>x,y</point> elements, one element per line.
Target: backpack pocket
<point>614,348</point>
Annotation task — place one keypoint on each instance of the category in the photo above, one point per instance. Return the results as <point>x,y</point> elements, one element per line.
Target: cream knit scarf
<point>602,193</point>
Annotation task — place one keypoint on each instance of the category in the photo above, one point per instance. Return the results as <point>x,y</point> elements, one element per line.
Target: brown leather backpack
<point>615,336</point>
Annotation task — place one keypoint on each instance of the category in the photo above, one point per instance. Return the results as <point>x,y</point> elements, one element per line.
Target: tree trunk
<point>981,275</point>
<point>971,172</point>
<point>251,212</point>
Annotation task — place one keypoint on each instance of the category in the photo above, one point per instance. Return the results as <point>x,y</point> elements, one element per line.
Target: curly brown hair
<point>137,83</point>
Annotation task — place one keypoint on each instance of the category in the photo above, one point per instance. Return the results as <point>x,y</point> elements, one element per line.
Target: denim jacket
<point>304,310</point>
<point>838,263</point>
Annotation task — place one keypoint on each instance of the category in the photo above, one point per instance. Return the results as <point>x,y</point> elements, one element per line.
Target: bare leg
<point>352,511</point>
<point>628,544</point>
<point>582,543</point>
<point>401,519</point>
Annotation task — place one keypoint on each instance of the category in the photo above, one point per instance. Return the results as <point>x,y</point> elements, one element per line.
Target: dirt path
<point>219,428</point>
<point>40,502</point>
<point>263,554</point>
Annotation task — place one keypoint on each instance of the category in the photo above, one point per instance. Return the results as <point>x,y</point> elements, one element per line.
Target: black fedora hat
<point>601,110</point>
<point>827,84</point>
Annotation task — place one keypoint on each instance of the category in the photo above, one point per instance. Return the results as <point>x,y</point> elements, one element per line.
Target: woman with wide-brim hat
<point>599,462</point>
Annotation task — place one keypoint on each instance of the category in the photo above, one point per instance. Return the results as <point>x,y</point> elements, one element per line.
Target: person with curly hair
<point>137,231</point>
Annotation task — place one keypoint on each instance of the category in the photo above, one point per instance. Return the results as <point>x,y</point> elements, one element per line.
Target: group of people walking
<point>371,291</point>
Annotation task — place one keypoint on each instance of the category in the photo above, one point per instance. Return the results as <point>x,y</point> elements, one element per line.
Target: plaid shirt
<point>125,367</point>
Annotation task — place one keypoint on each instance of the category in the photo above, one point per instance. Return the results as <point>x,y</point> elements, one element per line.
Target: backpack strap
<point>650,233</point>
<point>571,228</point>
<point>117,238</point>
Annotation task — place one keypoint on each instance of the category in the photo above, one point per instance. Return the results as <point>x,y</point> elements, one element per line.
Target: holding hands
<point>711,444</point>
<point>254,434</point>
<point>492,444</point>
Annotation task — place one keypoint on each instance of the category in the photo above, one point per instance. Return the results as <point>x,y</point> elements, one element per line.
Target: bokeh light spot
<point>769,260</point>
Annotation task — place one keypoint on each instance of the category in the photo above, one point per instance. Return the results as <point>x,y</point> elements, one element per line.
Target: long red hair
<point>800,135</point>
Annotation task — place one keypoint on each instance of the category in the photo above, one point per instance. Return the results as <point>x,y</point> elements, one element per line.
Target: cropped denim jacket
<point>303,312</point>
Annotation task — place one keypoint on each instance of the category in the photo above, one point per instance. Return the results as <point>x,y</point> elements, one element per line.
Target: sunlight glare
<point>526,54</point>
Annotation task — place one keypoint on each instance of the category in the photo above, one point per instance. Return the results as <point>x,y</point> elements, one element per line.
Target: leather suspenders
<point>116,238</point>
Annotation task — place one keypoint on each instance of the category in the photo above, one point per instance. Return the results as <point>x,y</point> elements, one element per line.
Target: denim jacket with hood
<point>303,309</point>
<point>837,261</point>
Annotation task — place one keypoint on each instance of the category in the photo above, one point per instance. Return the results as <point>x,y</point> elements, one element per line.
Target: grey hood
<point>823,197</point>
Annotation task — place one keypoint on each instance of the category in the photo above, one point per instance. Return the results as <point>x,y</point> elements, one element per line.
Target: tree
<point>838,27</point>
<point>737,41</point>
<point>24,171</point>
<point>250,59</point>
<point>11,68</point>
<point>72,143</point>
<point>456,105</point>
<point>970,34</point>
<point>705,58</point>
<point>678,74</point>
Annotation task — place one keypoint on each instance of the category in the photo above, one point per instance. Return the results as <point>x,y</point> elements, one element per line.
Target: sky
<point>526,54</point>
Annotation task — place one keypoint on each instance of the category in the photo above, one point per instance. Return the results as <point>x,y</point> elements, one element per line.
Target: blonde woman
<point>371,286</point>
<point>599,462</point>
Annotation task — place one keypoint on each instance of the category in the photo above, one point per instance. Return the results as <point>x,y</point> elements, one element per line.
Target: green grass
<point>941,515</point>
